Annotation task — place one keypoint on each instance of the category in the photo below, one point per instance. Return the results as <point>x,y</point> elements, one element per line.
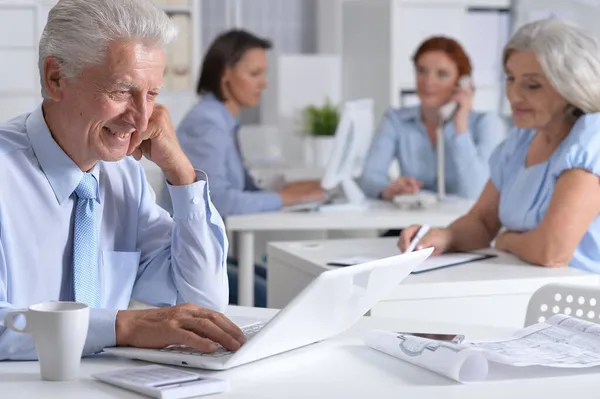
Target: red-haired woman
<point>409,134</point>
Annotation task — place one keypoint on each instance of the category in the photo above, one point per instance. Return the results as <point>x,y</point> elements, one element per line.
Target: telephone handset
<point>447,111</point>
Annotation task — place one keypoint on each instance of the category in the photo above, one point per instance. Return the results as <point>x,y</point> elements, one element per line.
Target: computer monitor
<point>351,143</point>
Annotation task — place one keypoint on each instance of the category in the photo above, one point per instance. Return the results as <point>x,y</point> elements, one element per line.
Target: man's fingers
<point>229,327</point>
<point>209,329</point>
<point>134,142</point>
<point>191,339</point>
<point>222,322</point>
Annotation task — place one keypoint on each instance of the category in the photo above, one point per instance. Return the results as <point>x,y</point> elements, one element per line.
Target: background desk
<point>338,368</point>
<point>491,292</point>
<point>382,215</point>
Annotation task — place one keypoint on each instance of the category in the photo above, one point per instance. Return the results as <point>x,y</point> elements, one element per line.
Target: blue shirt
<point>208,135</point>
<point>525,193</point>
<point>403,136</point>
<point>144,254</point>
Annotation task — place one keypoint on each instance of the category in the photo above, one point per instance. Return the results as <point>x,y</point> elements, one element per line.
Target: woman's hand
<point>502,241</point>
<point>439,239</point>
<point>402,185</point>
<point>464,98</point>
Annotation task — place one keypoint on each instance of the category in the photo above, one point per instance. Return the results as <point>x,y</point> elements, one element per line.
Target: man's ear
<point>53,80</point>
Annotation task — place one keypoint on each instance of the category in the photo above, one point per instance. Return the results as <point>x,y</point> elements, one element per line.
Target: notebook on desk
<point>431,263</point>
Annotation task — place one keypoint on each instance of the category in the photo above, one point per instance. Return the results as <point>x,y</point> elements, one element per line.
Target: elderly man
<point>77,217</point>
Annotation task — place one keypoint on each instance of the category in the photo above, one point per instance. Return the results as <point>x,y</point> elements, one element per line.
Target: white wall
<point>21,24</point>
<point>296,81</point>
<point>329,26</point>
<point>381,36</point>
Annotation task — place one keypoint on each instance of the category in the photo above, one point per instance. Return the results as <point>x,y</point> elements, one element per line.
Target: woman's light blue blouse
<point>403,136</point>
<point>525,193</point>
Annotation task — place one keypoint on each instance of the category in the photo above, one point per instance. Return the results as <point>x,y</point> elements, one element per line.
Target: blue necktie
<point>86,279</point>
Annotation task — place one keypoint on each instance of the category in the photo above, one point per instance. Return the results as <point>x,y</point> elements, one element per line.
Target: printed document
<point>560,342</point>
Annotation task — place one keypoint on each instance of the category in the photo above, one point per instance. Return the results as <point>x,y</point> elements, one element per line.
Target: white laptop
<point>330,305</point>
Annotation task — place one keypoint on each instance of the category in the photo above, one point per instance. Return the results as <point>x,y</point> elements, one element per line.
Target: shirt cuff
<point>101,331</point>
<point>375,189</point>
<point>190,199</point>
<point>271,201</point>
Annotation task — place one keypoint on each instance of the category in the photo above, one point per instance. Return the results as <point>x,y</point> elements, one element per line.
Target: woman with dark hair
<point>232,78</point>
<point>409,134</point>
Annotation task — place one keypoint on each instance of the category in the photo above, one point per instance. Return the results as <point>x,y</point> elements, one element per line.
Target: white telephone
<point>447,111</point>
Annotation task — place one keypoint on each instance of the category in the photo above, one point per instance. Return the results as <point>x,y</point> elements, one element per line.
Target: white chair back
<point>572,300</point>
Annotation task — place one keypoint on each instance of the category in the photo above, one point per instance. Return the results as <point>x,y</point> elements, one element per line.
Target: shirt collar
<point>412,113</point>
<point>60,170</point>
<point>230,120</point>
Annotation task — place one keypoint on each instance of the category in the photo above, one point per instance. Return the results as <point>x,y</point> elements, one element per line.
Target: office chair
<point>572,300</point>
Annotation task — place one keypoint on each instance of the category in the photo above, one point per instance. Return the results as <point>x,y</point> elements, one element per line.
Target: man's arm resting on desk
<point>149,328</point>
<point>20,346</point>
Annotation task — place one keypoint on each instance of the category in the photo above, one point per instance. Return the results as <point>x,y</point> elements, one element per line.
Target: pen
<point>420,234</point>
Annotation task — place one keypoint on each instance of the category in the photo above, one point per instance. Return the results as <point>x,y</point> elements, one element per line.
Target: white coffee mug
<point>59,331</point>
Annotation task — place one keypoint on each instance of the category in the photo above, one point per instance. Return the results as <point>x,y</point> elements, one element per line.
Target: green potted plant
<point>321,122</point>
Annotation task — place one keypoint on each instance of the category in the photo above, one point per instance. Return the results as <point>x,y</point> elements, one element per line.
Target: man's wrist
<point>122,327</point>
<point>181,175</point>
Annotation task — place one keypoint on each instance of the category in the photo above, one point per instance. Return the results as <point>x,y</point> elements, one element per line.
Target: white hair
<point>78,31</point>
<point>569,57</point>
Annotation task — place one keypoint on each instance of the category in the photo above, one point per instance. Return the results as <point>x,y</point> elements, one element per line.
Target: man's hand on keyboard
<point>185,324</point>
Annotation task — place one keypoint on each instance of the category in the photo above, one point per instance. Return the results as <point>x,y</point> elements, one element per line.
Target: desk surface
<point>339,368</point>
<point>504,274</point>
<point>380,215</point>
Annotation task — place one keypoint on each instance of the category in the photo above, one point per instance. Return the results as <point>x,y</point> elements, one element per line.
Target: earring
<point>573,112</point>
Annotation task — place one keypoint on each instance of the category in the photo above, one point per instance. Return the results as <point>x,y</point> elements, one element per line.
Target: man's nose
<point>140,115</point>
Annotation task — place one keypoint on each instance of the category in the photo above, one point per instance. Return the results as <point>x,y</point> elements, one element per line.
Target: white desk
<point>491,292</point>
<point>338,368</point>
<point>382,215</point>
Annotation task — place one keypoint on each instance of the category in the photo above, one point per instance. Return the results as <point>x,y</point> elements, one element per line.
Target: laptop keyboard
<point>249,331</point>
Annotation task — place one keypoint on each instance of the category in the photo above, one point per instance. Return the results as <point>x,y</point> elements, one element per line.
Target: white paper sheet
<point>431,263</point>
<point>561,342</point>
